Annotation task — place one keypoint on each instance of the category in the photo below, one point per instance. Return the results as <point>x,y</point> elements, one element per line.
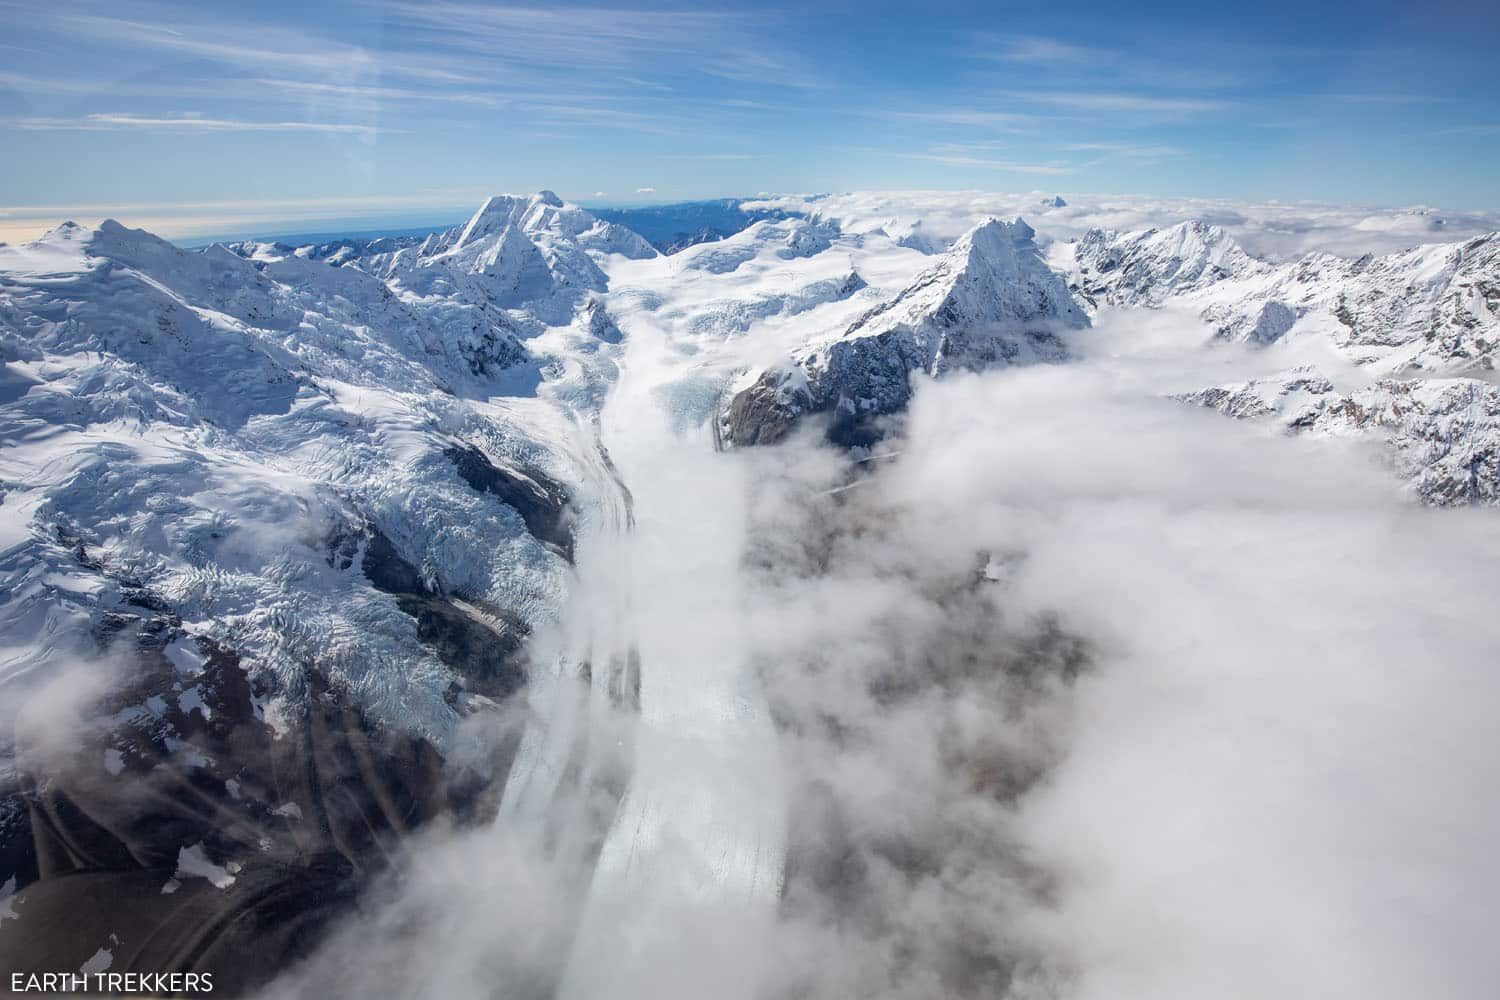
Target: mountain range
<point>281,521</point>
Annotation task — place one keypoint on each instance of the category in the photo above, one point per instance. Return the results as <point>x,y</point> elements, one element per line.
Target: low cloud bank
<point>1077,692</point>
<point>1212,722</point>
<point>1274,230</point>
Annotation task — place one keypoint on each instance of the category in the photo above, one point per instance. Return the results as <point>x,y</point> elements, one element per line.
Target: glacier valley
<point>904,595</point>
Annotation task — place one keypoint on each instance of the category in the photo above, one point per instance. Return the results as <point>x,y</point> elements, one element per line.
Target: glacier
<point>465,521</point>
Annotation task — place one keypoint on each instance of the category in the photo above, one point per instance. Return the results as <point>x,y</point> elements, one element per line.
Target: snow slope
<point>211,427</point>
<point>1434,308</point>
<point>1421,326</point>
<point>382,486</point>
<point>990,300</point>
<point>1443,433</point>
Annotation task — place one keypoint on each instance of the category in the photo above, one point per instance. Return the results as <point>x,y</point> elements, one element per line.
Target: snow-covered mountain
<point>305,510</point>
<point>294,502</point>
<point>1147,268</point>
<point>369,398</point>
<point>1424,322</point>
<point>1443,433</point>
<point>1434,308</point>
<point>989,300</point>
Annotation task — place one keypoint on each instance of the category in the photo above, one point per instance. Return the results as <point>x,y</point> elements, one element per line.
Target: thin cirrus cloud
<point>97,122</point>
<point>462,86</point>
<point>578,37</point>
<point>1036,49</point>
<point>1013,166</point>
<point>376,94</point>
<point>258,46</point>
<point>1127,149</point>
<point>1109,101</point>
<point>261,48</point>
<point>965,117</point>
<point>1210,67</point>
<point>175,220</point>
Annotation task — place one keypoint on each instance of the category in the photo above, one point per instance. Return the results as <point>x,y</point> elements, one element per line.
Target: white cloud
<point>189,123</point>
<point>1082,692</point>
<point>1278,733</point>
<point>175,220</point>
<point>645,190</point>
<point>1112,101</point>
<point>374,95</point>
<point>1277,230</point>
<point>998,120</point>
<point>1014,166</point>
<point>1134,150</point>
<point>1039,50</point>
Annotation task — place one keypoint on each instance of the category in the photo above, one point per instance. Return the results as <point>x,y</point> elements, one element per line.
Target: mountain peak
<point>66,232</point>
<point>989,300</point>
<point>497,212</point>
<point>1145,266</point>
<point>994,236</point>
<point>993,274</point>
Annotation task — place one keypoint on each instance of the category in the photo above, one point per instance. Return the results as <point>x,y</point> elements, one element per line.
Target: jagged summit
<point>498,213</point>
<point>1143,268</point>
<point>533,251</point>
<point>991,299</point>
<point>993,274</point>
<point>1432,308</point>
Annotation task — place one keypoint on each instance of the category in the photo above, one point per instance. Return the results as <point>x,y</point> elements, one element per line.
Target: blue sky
<point>191,115</point>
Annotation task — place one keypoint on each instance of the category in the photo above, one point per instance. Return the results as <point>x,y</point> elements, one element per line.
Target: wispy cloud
<point>1133,150</point>
<point>256,47</point>
<point>578,37</point>
<point>601,114</point>
<point>1137,63</point>
<point>645,190</point>
<point>998,120</point>
<point>429,197</point>
<point>1014,166</point>
<point>969,147</point>
<point>740,102</point>
<point>211,217</point>
<point>1399,100</point>
<point>187,123</point>
<point>376,94</point>
<point>1109,101</point>
<point>1033,49</point>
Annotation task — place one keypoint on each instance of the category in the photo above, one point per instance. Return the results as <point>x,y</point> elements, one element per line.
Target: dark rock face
<point>484,651</point>
<point>761,414</point>
<point>294,823</point>
<point>875,371</point>
<point>990,300</point>
<point>601,324</point>
<point>105,837</point>
<point>542,503</point>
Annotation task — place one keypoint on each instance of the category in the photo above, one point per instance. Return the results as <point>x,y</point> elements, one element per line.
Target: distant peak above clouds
<point>1274,230</point>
